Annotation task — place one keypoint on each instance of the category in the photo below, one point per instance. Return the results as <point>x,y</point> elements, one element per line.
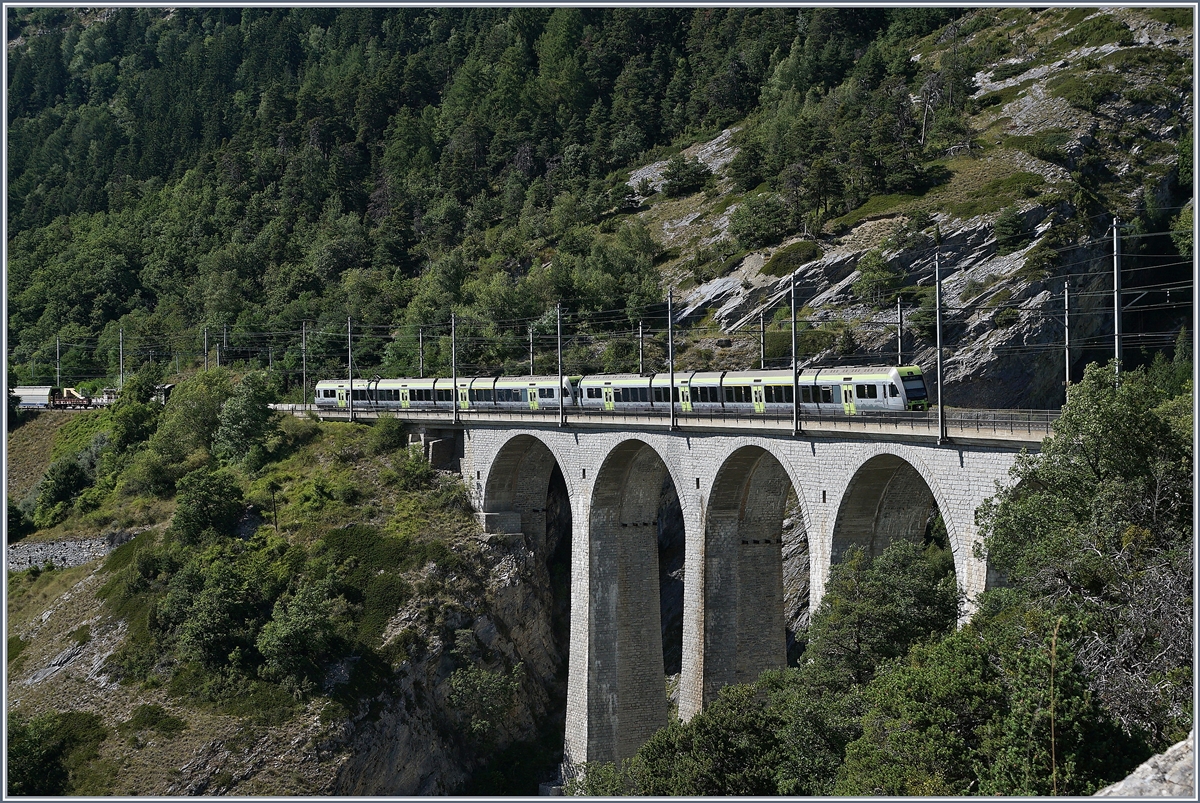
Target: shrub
<point>205,500</point>
<point>1010,231</point>
<point>877,281</point>
<point>1006,318</point>
<point>758,221</point>
<point>786,260</point>
<point>152,717</point>
<point>683,176</point>
<point>386,435</point>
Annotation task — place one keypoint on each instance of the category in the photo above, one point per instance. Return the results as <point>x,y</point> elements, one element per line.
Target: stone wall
<point>61,554</point>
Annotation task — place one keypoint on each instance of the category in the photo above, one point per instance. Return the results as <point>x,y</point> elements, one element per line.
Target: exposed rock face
<point>409,741</point>
<point>796,609</point>
<point>1172,774</point>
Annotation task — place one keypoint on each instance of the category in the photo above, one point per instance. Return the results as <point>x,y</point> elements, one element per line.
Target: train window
<point>788,394</point>
<point>644,394</point>
<point>827,395</point>
<point>674,394</point>
<point>872,391</point>
<point>594,393</point>
<point>806,394</point>
<point>445,395</point>
<point>545,393</point>
<point>893,391</point>
<point>659,395</point>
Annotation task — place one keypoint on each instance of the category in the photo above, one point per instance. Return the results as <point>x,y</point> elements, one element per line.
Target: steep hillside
<point>447,673</point>
<point>527,158</point>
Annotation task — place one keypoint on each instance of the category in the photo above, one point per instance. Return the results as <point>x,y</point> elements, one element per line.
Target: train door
<point>848,399</point>
<point>404,398</point>
<point>685,398</point>
<point>464,401</point>
<point>608,398</point>
<point>341,397</point>
<point>758,396</point>
<point>533,398</point>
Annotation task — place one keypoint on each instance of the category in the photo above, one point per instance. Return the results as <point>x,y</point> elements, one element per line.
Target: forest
<point>249,180</point>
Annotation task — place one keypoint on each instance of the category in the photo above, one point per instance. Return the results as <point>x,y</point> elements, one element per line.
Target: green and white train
<point>840,389</point>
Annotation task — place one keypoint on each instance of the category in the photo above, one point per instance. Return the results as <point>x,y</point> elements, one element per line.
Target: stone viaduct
<point>732,489</point>
<point>855,483</point>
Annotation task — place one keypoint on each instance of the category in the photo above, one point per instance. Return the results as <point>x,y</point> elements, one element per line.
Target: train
<point>49,397</point>
<point>848,390</point>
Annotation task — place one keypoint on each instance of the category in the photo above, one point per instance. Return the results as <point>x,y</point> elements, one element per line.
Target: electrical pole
<point>453,368</point>
<point>671,350</point>
<point>206,348</point>
<point>1117,294</point>
<point>1067,331</point>
<point>57,363</point>
<point>795,365</point>
<point>304,364</point>
<point>562,411</point>
<point>899,334</point>
<point>350,368</point>
<point>762,342</point>
<point>421,352</point>
<point>121,367</point>
<point>937,274</point>
<point>531,371</point>
<point>641,350</point>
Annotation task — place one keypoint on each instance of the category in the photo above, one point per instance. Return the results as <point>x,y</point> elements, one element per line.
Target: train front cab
<point>915,393</point>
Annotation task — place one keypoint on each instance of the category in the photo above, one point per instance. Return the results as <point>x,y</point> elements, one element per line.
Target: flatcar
<point>840,389</point>
<point>48,397</point>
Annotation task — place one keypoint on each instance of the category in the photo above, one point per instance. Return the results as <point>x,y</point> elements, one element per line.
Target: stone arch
<point>890,496</point>
<point>742,598</point>
<point>514,497</point>
<point>626,699</point>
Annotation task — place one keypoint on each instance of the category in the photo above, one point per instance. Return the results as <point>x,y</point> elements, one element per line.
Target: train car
<point>33,396</point>
<point>848,390</point>
<point>471,393</point>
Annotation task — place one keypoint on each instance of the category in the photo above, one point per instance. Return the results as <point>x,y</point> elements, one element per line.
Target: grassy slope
<point>332,478</point>
<point>29,449</point>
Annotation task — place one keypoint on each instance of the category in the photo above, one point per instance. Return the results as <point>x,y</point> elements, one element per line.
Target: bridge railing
<point>1030,424</point>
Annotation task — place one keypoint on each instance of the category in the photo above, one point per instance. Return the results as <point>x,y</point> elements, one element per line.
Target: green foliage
<point>1087,93</point>
<point>206,500</point>
<point>788,259</point>
<point>874,610</point>
<point>387,434</point>
<point>1182,232</point>
<point>302,635</point>
<point>1010,231</point>
<point>149,716</point>
<point>1099,30</point>
<point>926,719</point>
<point>245,422</point>
<point>1006,318</point>
<point>63,480</point>
<point>759,220</point>
<point>683,176</point>
<point>1097,528</point>
<point>481,698</point>
<point>53,753</point>
<point>192,415</point>
<point>877,280</point>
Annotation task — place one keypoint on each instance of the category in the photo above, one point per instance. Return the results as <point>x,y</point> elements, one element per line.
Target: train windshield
<point>914,387</point>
